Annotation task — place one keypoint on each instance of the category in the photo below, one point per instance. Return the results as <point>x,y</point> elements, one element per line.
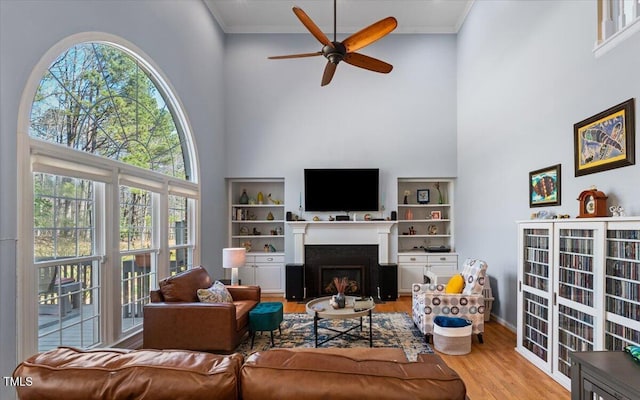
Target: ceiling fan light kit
<point>335,51</point>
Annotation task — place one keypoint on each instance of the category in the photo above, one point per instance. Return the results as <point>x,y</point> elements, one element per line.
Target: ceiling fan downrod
<point>335,23</point>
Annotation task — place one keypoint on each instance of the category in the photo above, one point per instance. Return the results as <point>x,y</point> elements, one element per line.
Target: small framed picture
<point>544,187</point>
<point>423,196</point>
<point>436,215</point>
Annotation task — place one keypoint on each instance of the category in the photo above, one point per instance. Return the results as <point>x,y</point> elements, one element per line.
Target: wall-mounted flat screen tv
<point>341,189</point>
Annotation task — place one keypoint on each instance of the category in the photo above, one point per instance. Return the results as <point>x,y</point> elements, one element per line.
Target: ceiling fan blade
<point>312,27</point>
<point>317,53</point>
<point>366,62</point>
<point>370,34</point>
<point>329,70</point>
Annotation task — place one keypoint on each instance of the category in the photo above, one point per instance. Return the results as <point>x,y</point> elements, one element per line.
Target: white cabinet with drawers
<point>415,266</point>
<point>265,270</point>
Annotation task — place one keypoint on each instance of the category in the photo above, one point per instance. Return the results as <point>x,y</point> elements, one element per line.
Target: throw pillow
<point>451,322</point>
<point>455,284</point>
<point>474,275</point>
<point>217,293</point>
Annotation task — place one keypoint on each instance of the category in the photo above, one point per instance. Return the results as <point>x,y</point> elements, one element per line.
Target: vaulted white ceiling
<point>275,16</point>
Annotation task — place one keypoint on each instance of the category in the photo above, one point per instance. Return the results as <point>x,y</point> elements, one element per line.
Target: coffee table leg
<point>315,327</point>
<point>370,330</point>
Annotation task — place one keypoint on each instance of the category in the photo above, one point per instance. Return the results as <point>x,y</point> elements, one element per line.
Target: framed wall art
<point>423,196</point>
<point>544,187</point>
<point>605,140</point>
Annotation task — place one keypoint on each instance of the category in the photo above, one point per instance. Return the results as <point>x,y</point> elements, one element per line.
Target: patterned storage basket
<point>452,341</point>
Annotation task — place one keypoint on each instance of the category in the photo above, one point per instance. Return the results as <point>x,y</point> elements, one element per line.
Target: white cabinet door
<point>247,274</point>
<point>410,274</point>
<point>268,272</point>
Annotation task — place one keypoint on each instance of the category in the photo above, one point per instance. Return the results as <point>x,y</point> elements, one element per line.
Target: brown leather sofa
<point>176,319</point>
<point>347,374</point>
<point>336,374</point>
<point>114,374</point>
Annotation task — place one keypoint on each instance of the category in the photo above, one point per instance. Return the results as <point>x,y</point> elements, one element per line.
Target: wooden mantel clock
<point>593,203</point>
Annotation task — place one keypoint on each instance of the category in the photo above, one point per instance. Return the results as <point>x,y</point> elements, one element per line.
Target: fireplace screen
<point>354,275</point>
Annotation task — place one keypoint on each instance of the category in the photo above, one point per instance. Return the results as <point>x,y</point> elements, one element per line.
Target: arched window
<point>98,99</point>
<point>114,195</point>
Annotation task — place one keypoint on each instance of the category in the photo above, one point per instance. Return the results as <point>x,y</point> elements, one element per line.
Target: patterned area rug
<point>389,330</point>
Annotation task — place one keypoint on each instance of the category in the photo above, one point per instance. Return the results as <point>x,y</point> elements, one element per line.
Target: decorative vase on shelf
<point>440,197</point>
<point>408,214</point>
<point>244,198</point>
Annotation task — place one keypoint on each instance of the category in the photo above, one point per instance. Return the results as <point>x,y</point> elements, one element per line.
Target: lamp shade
<point>234,257</point>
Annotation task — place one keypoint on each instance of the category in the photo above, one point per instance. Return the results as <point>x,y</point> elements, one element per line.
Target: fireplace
<point>355,278</point>
<point>358,263</point>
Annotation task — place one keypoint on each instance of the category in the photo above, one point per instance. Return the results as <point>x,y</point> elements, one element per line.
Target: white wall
<point>279,120</point>
<point>526,74</point>
<point>179,37</point>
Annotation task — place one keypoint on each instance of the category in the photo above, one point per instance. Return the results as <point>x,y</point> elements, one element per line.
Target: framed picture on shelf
<point>423,196</point>
<point>605,140</point>
<point>544,187</point>
<point>436,215</point>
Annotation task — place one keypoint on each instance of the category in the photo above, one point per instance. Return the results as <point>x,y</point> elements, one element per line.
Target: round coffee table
<point>321,309</point>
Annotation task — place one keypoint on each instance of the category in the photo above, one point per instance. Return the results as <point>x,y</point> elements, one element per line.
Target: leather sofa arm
<point>191,326</point>
<point>245,292</point>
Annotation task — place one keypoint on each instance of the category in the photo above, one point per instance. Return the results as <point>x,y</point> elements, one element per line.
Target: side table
<point>608,374</point>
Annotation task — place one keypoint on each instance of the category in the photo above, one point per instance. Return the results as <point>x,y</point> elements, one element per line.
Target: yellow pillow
<point>455,284</point>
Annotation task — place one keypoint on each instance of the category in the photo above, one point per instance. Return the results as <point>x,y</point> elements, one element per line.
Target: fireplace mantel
<point>341,232</point>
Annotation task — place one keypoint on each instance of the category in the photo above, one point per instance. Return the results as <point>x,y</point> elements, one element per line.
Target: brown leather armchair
<point>176,319</point>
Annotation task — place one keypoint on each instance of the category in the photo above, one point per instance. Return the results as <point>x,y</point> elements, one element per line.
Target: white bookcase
<point>579,289</point>
<point>258,226</point>
<point>535,288</point>
<point>423,226</point>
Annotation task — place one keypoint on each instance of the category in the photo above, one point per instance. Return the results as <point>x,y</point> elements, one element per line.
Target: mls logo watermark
<point>17,381</point>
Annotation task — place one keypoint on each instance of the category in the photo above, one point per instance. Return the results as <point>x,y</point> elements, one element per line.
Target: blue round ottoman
<point>265,316</point>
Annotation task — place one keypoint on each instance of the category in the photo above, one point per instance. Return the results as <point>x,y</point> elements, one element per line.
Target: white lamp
<point>234,258</point>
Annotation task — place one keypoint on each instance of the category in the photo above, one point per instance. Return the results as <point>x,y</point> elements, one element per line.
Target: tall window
<point>66,261</point>
<point>112,168</point>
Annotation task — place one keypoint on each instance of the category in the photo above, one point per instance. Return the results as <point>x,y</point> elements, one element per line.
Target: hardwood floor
<point>492,371</point>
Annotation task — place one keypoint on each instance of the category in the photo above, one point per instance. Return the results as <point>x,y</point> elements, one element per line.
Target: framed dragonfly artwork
<point>605,140</point>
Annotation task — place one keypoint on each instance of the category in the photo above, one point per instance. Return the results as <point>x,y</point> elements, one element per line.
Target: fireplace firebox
<point>355,277</point>
<point>358,263</point>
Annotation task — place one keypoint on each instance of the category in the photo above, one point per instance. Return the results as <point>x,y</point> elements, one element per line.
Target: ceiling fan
<point>335,51</point>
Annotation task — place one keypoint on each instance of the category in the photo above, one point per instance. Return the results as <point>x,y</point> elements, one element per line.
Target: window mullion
<point>161,234</point>
<point>111,282</point>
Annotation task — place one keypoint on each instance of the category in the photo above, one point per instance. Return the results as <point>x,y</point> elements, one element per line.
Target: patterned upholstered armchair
<point>430,300</point>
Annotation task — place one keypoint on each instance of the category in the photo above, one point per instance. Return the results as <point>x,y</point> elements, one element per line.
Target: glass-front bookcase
<point>534,293</point>
<point>578,288</point>
<point>622,286</point>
